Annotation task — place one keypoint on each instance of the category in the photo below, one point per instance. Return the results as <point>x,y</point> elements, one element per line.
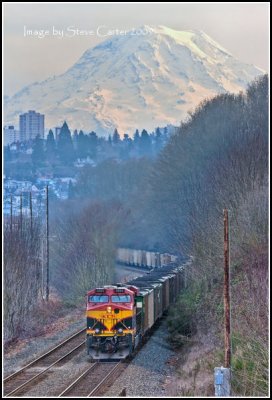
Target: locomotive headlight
<point>120,330</point>
<point>97,330</point>
<point>109,309</point>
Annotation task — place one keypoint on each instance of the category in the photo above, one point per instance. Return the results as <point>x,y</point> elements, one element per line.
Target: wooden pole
<point>11,211</point>
<point>227,291</point>
<point>47,247</point>
<point>30,209</point>
<point>21,212</point>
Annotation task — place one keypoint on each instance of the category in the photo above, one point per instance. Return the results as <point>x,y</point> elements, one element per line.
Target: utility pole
<point>42,287</point>
<point>47,247</point>
<point>21,212</point>
<point>227,290</point>
<point>11,213</point>
<point>222,375</point>
<point>30,209</point>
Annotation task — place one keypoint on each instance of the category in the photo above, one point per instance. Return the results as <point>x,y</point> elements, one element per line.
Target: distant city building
<point>171,129</point>
<point>57,132</point>
<point>11,135</point>
<point>31,125</point>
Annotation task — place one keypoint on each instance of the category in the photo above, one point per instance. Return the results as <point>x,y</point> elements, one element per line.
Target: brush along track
<point>94,380</point>
<point>17,382</point>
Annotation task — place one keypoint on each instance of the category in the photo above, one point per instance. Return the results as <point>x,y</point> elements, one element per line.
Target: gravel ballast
<point>28,349</point>
<point>147,373</point>
<point>60,377</point>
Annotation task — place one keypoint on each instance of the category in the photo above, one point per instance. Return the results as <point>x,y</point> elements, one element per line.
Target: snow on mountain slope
<point>135,81</point>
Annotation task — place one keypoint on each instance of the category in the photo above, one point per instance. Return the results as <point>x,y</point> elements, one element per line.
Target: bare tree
<point>22,276</point>
<point>83,252</point>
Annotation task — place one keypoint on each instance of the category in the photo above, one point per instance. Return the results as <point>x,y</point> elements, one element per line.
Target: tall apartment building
<point>11,135</point>
<point>31,125</point>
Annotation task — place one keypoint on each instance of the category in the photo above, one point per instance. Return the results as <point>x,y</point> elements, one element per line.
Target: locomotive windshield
<point>121,299</point>
<point>99,299</point>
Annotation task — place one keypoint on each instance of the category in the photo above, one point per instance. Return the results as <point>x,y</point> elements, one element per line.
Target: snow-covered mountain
<point>135,81</point>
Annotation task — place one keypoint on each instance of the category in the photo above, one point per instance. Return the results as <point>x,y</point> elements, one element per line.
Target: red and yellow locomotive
<point>111,322</point>
<point>119,316</point>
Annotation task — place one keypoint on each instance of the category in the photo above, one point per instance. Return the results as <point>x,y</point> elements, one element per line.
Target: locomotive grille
<point>125,323</point>
<point>93,323</point>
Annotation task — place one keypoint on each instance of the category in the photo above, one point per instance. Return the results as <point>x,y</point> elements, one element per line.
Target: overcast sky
<point>242,28</point>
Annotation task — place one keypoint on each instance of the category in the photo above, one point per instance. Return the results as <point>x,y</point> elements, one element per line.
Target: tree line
<point>218,160</point>
<point>65,148</point>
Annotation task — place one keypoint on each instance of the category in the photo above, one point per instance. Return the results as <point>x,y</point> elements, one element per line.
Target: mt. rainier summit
<point>135,81</point>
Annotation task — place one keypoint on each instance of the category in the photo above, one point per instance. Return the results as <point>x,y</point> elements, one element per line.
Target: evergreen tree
<point>38,154</point>
<point>126,138</point>
<point>158,132</point>
<point>136,143</point>
<point>65,145</point>
<point>82,145</point>
<point>93,143</point>
<point>116,137</point>
<point>50,145</point>
<point>145,144</point>
<point>75,139</point>
<point>126,147</point>
<point>158,140</point>
<point>136,137</point>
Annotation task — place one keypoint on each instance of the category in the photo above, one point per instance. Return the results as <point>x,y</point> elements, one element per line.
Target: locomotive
<point>111,321</point>
<point>119,316</point>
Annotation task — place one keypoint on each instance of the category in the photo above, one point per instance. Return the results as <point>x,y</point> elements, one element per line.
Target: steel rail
<point>36,361</point>
<point>73,384</point>
<point>104,379</point>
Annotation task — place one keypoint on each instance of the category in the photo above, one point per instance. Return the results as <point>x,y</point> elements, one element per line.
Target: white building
<point>31,125</point>
<point>11,135</point>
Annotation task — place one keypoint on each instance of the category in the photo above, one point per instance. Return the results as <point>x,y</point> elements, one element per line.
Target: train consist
<point>145,259</point>
<point>118,316</point>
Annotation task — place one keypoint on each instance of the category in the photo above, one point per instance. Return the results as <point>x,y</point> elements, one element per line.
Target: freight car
<point>145,259</point>
<point>118,316</point>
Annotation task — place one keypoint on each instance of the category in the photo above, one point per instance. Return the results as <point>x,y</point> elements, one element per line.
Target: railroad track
<point>94,380</point>
<point>19,381</point>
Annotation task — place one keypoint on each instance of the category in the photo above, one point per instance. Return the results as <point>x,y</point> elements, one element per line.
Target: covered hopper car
<point>145,259</point>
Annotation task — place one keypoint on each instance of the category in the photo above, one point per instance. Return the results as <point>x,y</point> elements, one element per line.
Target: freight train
<point>145,259</point>
<point>119,316</point>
